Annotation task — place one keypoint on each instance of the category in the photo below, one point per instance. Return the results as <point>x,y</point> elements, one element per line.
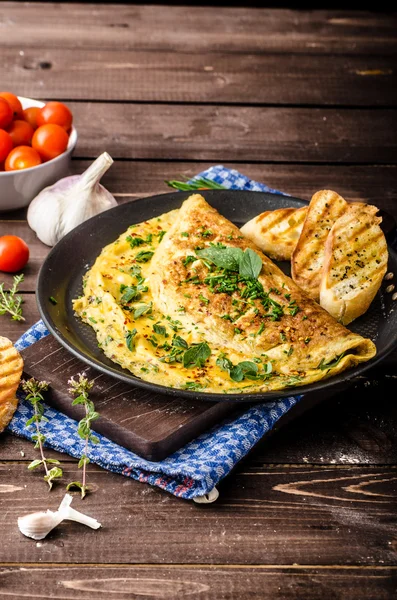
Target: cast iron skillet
<point>62,272</point>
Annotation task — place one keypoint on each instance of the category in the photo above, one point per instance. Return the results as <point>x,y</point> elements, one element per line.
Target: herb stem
<point>39,439</point>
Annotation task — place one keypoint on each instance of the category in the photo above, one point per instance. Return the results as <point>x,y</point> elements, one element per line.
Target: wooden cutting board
<point>149,424</point>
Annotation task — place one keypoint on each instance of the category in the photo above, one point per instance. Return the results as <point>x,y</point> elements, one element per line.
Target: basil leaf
<point>224,363</point>
<point>159,329</point>
<point>141,310</point>
<point>129,339</point>
<point>130,292</point>
<point>226,258</point>
<point>248,367</point>
<point>196,355</point>
<point>179,342</point>
<point>250,264</point>
<point>236,373</point>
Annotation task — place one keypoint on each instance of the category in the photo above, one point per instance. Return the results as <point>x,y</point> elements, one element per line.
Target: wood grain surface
<point>198,29</point>
<point>302,100</point>
<point>159,76</point>
<point>206,581</point>
<point>266,514</point>
<point>230,133</point>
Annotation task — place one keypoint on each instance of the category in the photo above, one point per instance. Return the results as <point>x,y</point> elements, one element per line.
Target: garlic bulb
<point>59,208</point>
<point>38,525</point>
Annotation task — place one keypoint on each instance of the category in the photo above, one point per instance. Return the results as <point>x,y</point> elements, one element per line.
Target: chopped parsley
<point>135,241</point>
<point>193,385</point>
<point>92,320</point>
<point>184,234</point>
<point>323,366</point>
<point>203,299</point>
<point>161,234</point>
<point>188,259</point>
<point>154,341</point>
<point>144,256</point>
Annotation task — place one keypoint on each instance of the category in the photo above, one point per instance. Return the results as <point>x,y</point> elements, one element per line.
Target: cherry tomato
<point>30,115</point>
<point>55,113</point>
<point>50,141</point>
<point>6,113</point>
<point>14,253</point>
<point>6,144</point>
<point>21,133</point>
<point>13,101</point>
<point>22,157</point>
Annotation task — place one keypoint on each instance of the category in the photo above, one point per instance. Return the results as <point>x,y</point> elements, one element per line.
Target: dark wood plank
<point>74,74</point>
<point>265,515</point>
<point>209,582</point>
<point>197,29</point>
<point>346,430</point>
<point>14,329</point>
<point>202,132</point>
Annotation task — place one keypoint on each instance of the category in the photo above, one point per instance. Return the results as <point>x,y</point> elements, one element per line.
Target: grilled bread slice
<point>355,262</point>
<point>11,365</point>
<point>276,232</point>
<point>308,257</point>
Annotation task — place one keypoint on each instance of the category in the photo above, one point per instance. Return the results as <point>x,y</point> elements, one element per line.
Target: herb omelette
<point>184,300</point>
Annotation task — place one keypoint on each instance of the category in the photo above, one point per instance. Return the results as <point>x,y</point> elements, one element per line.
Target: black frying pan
<point>62,272</point>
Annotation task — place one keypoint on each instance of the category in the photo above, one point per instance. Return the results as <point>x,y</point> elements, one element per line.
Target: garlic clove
<point>59,208</point>
<point>39,524</point>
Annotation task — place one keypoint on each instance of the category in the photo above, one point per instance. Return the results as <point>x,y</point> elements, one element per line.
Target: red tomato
<point>13,101</point>
<point>21,133</point>
<point>55,113</point>
<point>50,141</point>
<point>6,113</point>
<point>22,157</point>
<point>30,115</point>
<point>6,144</point>
<point>14,253</point>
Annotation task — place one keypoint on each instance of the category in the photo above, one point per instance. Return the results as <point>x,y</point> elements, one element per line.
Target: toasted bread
<point>308,257</point>
<point>355,262</point>
<point>11,365</point>
<point>276,232</point>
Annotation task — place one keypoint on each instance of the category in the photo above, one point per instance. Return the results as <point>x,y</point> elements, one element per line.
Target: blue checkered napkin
<point>195,469</point>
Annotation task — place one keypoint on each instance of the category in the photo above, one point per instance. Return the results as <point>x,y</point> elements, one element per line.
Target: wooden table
<point>300,100</point>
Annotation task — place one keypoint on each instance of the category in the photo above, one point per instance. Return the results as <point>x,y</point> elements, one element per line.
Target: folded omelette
<point>184,300</point>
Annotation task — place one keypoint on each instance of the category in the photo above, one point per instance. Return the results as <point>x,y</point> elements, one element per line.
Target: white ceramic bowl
<point>18,188</point>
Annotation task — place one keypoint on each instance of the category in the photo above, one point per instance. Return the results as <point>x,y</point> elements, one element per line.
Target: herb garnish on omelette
<point>185,301</point>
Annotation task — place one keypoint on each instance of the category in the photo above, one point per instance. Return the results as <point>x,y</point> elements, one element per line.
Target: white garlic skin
<point>59,208</point>
<point>38,525</point>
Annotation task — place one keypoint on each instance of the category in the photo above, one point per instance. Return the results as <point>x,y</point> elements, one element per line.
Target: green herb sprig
<point>202,183</point>
<point>34,394</point>
<point>10,302</point>
<point>80,390</point>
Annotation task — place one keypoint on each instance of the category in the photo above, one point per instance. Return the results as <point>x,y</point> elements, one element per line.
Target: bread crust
<point>276,232</point>
<point>11,366</point>
<point>307,259</point>
<point>355,262</point>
